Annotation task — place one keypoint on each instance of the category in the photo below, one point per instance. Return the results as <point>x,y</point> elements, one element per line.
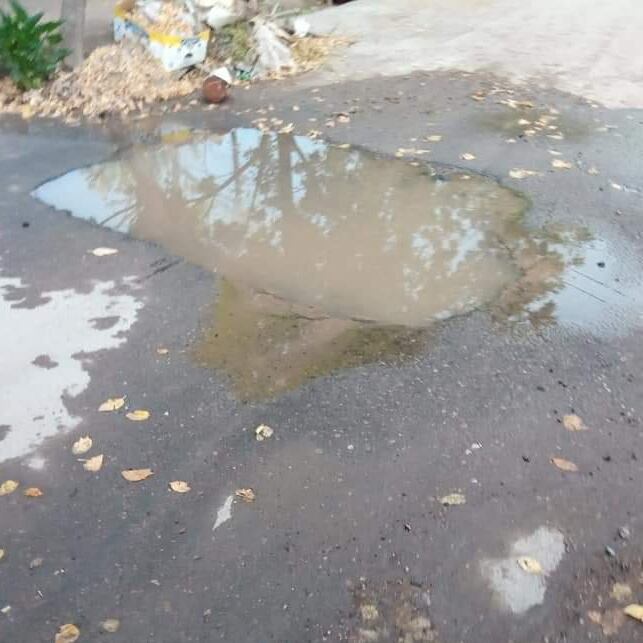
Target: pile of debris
<point>131,76</point>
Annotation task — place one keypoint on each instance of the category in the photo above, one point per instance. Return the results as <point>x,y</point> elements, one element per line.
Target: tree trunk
<point>73,16</point>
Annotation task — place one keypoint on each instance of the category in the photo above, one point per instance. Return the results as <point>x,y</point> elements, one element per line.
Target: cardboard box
<point>174,52</point>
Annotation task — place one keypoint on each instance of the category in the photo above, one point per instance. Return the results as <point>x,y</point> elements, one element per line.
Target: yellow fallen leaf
<point>635,611</point>
<point>247,495</point>
<point>573,423</point>
<point>564,465</point>
<point>524,121</point>
<point>263,432</point>
<point>111,625</point>
<point>434,138</point>
<point>33,492</point>
<point>530,565</point>
<point>453,499</point>
<point>162,351</point>
<point>522,174</point>
<point>180,486</point>
<point>559,164</point>
<point>113,404</point>
<point>136,475</point>
<point>621,592</point>
<point>82,445</point>
<point>139,415</point>
<point>93,464</point>
<point>1,554</point>
<point>67,633</point>
<point>7,487</point>
<point>467,156</point>
<point>103,252</point>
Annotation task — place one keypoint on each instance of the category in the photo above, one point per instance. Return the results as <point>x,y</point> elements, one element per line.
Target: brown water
<point>330,257</point>
<point>355,235</point>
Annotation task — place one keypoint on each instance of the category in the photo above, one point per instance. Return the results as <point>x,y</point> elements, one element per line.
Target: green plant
<point>29,49</point>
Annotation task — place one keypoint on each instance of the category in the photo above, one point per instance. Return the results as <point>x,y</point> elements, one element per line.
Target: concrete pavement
<point>348,538</point>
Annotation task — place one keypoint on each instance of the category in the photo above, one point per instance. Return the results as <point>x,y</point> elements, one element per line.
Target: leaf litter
<point>93,464</point>
<point>110,625</point>
<point>559,164</point>
<point>67,633</point>
<point>33,492</point>
<point>263,432</point>
<point>247,495</point>
<point>634,610</point>
<point>564,465</point>
<point>179,486</point>
<point>530,565</point>
<point>112,404</point>
<point>453,500</point>
<point>573,422</point>
<point>8,486</point>
<point>136,475</point>
<point>138,415</point>
<point>82,445</point>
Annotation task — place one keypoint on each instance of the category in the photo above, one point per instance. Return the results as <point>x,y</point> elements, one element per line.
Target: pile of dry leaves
<point>123,79</point>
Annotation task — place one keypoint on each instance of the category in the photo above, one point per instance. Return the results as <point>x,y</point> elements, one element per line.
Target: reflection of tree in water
<point>359,236</point>
<point>329,236</point>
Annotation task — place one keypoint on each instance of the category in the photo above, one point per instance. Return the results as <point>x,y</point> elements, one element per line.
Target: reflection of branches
<point>272,201</point>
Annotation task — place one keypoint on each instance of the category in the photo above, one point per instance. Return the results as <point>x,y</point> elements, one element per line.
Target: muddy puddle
<point>329,257</point>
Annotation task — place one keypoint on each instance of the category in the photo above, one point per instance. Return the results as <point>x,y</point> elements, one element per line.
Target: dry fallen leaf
<point>453,499</point>
<point>1,554</point>
<point>33,492</point>
<point>573,422</point>
<point>93,464</point>
<point>621,592</point>
<point>180,486</point>
<point>434,138</point>
<point>524,121</point>
<point>136,475</point>
<point>162,351</point>
<point>564,465</point>
<point>263,432</point>
<point>113,404</point>
<point>593,171</point>
<point>556,137</point>
<point>139,415</point>
<point>247,495</point>
<point>635,611</point>
<point>559,164</point>
<point>103,252</point>
<point>110,625</point>
<point>82,445</point>
<point>530,565</point>
<point>67,633</point>
<point>467,156</point>
<point>522,174</point>
<point>7,487</point>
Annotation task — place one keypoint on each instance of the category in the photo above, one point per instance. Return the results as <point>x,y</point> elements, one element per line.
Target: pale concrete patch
<point>590,49</point>
<point>32,399</point>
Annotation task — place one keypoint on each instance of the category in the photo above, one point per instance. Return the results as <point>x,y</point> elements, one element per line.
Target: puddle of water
<point>516,589</point>
<point>331,257</point>
<point>352,234</point>
<point>268,345</point>
<point>33,388</point>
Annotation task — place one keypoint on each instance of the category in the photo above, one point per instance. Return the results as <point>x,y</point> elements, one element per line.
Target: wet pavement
<point>408,492</point>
